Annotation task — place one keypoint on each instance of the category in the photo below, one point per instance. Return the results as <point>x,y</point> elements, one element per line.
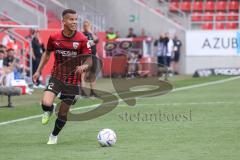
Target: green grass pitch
<point>199,124</point>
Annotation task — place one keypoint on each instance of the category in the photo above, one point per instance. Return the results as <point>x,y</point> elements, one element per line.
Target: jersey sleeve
<point>86,47</point>
<point>50,46</point>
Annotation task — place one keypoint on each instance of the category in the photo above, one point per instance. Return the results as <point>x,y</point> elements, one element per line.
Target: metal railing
<point>2,14</point>
<point>179,18</point>
<point>38,6</point>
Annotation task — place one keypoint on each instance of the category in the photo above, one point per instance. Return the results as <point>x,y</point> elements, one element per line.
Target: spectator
<point>143,34</point>
<point>8,67</point>
<point>118,34</point>
<point>93,39</point>
<point>111,35</point>
<point>176,56</point>
<point>160,48</point>
<point>147,43</point>
<point>38,49</point>
<point>1,58</point>
<point>7,39</point>
<point>131,33</point>
<point>133,61</point>
<point>2,73</point>
<point>29,38</point>
<point>12,44</point>
<point>9,59</point>
<point>169,54</point>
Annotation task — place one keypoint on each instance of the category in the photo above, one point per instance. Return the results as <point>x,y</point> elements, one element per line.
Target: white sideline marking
<point>92,106</point>
<point>190,103</point>
<point>40,115</point>
<point>206,84</point>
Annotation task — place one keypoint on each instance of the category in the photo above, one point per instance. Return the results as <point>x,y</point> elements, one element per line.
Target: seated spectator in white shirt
<point>8,67</point>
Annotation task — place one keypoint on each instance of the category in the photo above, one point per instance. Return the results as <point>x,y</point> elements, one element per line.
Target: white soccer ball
<point>106,137</point>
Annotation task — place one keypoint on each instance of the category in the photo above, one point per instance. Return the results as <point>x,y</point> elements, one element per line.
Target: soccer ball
<point>106,137</point>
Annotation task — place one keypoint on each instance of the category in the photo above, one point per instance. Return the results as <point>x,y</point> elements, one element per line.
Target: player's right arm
<point>44,59</point>
<point>43,62</point>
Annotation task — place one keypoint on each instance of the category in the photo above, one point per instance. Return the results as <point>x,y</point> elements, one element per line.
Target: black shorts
<point>176,57</point>
<point>68,91</point>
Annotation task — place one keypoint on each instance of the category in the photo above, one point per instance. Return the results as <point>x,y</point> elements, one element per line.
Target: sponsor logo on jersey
<point>67,53</point>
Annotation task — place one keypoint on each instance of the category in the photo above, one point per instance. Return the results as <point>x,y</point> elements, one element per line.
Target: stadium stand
<point>208,14</point>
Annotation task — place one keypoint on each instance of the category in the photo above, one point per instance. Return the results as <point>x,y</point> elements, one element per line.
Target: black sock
<point>47,108</point>
<point>59,124</point>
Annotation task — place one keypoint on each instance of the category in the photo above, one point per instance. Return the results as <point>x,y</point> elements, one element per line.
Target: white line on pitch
<point>178,104</point>
<point>92,106</point>
<point>38,116</point>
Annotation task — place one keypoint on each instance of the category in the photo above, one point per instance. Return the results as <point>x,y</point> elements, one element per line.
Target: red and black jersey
<point>68,53</point>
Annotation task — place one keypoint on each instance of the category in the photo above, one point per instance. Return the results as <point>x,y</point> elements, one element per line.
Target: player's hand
<point>81,69</point>
<point>36,76</point>
<point>91,43</point>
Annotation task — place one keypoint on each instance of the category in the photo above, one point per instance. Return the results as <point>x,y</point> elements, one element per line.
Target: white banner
<point>213,43</point>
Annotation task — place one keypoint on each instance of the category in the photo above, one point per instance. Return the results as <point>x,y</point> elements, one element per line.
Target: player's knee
<point>69,100</point>
<point>47,102</point>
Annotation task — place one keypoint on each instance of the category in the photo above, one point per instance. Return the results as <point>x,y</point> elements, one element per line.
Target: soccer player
<point>68,46</point>
<point>93,40</point>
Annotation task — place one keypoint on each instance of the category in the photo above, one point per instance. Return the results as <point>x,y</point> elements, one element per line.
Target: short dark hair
<point>66,11</point>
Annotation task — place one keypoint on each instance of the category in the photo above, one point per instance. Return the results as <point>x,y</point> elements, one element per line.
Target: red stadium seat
<point>197,6</point>
<point>233,5</point>
<point>221,5</point>
<point>208,16</point>
<point>186,6</point>
<point>231,26</point>
<point>173,6</point>
<point>219,26</point>
<point>196,16</point>
<point>207,26</point>
<point>209,6</point>
<point>220,16</point>
<point>232,16</point>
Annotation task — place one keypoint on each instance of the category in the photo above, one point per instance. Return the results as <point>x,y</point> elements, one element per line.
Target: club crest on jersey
<point>75,45</point>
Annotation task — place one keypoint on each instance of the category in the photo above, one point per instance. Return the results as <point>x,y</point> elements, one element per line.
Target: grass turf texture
<point>212,133</point>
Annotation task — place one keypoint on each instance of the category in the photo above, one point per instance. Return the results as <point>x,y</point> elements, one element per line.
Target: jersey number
<point>50,86</point>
